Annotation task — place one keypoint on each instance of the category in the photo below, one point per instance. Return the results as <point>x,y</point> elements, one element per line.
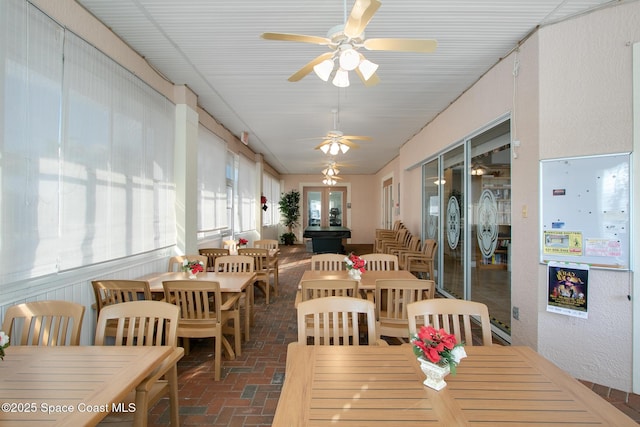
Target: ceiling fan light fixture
<point>367,68</point>
<point>323,70</point>
<point>349,59</point>
<point>341,79</point>
<point>344,148</point>
<point>334,148</point>
<point>325,148</point>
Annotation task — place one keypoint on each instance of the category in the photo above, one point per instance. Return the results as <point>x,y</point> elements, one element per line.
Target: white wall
<point>571,97</point>
<point>586,108</point>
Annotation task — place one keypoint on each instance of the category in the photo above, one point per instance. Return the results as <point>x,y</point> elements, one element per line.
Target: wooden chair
<point>145,323</point>
<point>239,264</point>
<point>413,246</point>
<point>422,264</point>
<point>320,288</point>
<point>108,292</point>
<point>273,247</point>
<point>383,236</point>
<point>176,262</point>
<point>336,321</point>
<point>453,315</point>
<point>212,254</point>
<point>391,299</point>
<point>44,323</point>
<point>401,242</point>
<point>331,262</point>
<point>264,270</point>
<point>202,313</point>
<point>379,262</point>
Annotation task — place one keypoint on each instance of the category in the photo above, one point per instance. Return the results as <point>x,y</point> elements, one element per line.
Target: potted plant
<point>290,211</point>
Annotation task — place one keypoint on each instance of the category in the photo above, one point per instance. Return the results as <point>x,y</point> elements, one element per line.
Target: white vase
<point>355,274</point>
<point>435,374</point>
<point>193,276</point>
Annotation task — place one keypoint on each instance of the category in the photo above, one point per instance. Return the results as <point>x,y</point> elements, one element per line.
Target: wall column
<point>186,170</point>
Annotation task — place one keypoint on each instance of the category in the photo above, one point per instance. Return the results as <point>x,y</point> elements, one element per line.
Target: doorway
<point>324,206</point>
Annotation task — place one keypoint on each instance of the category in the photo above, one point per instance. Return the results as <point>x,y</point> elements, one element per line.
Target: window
<point>271,190</point>
<point>93,181</point>
<point>212,203</point>
<point>246,196</point>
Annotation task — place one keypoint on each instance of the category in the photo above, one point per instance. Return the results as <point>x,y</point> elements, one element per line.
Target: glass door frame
<point>325,191</point>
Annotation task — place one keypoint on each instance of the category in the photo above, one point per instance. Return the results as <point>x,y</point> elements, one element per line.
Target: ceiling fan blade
<point>296,38</point>
<point>298,75</point>
<point>373,80</point>
<point>402,45</point>
<point>361,14</point>
<point>360,138</point>
<point>349,144</point>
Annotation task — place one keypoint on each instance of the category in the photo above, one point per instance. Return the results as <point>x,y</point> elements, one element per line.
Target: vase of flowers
<point>355,265</point>
<point>242,242</point>
<point>193,268</point>
<point>438,353</point>
<point>4,343</point>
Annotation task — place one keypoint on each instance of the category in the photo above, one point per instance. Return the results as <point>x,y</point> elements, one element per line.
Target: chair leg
<point>218,356</point>
<point>142,409</point>
<point>172,377</point>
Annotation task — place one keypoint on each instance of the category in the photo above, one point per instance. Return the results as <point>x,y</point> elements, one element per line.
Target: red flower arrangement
<point>354,262</point>
<point>438,346</point>
<point>193,267</point>
<point>242,242</point>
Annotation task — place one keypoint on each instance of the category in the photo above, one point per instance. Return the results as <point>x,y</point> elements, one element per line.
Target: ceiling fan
<point>344,41</point>
<point>335,142</point>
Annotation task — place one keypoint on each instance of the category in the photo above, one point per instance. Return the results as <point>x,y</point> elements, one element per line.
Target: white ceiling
<point>215,48</point>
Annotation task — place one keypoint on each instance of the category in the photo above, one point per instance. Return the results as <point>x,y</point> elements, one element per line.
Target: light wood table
<point>229,283</point>
<point>70,385</point>
<point>378,385</point>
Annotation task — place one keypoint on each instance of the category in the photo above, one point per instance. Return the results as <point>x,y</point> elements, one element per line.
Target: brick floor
<point>248,392</point>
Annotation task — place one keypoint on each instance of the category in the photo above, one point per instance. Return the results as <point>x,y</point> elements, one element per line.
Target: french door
<point>324,206</point>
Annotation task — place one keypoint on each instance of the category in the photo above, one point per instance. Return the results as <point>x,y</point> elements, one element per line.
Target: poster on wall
<point>567,288</point>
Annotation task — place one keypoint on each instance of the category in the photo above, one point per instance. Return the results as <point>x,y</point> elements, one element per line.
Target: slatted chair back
<point>44,323</point>
<point>144,323</point>
<point>392,296</point>
<point>322,288</point>
<point>328,262</point>
<point>380,262</point>
<point>234,264</point>
<point>212,254</point>
<point>267,244</point>
<point>452,315</point>
<point>336,321</point>
<point>176,262</point>
<point>108,292</point>
<point>264,269</point>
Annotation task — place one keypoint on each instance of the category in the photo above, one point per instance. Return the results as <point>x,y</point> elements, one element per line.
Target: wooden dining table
<point>382,385</point>
<point>71,385</point>
<point>229,283</point>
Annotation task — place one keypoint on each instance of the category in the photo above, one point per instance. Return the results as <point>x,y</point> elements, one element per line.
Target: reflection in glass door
<point>314,207</point>
<point>490,187</point>
<point>452,249</point>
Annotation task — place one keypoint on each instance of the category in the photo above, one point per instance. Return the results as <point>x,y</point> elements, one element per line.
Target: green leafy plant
<point>290,211</point>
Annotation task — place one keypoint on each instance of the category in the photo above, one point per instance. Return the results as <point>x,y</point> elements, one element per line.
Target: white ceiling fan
<point>344,41</point>
<point>335,142</point>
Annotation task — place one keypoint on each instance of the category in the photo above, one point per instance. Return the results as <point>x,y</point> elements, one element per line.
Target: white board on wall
<point>585,210</point>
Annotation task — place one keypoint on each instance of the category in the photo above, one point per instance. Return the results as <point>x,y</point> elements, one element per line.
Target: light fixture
<point>349,58</point>
<point>367,68</point>
<point>324,69</point>
<point>329,181</point>
<point>341,78</point>
<point>332,170</point>
<point>439,182</point>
